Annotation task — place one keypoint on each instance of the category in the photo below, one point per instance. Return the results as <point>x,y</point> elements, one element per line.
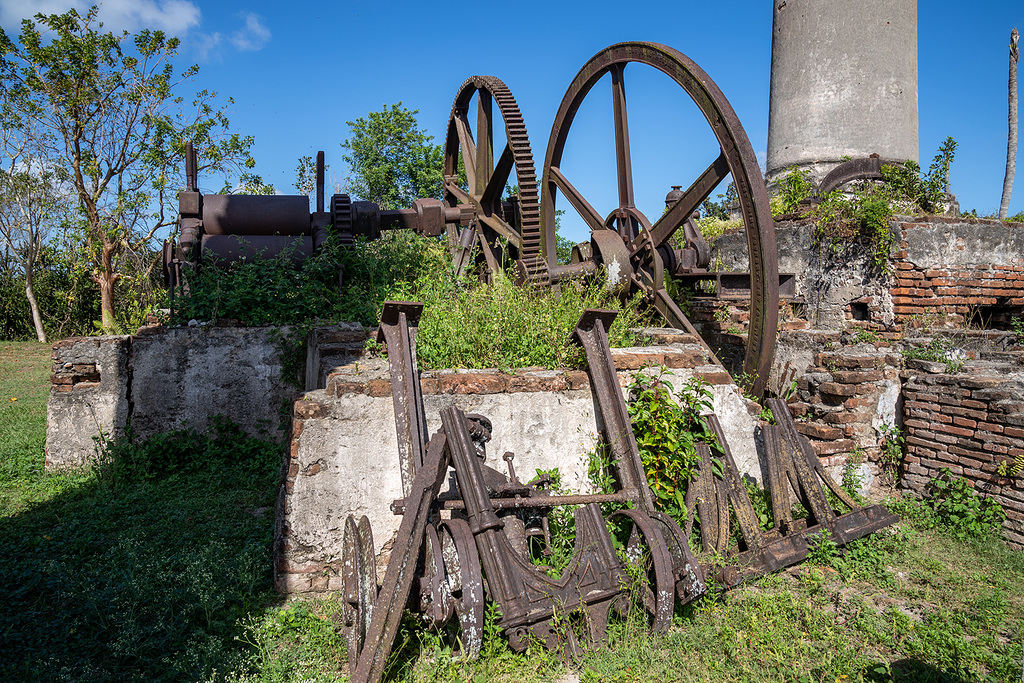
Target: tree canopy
<point>391,161</point>
<point>102,110</point>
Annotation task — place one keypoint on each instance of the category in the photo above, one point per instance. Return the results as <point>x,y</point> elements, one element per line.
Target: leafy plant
<point>939,350</point>
<point>824,551</point>
<point>1017,325</point>
<point>794,187</point>
<point>891,456</point>
<point>956,505</point>
<point>667,430</point>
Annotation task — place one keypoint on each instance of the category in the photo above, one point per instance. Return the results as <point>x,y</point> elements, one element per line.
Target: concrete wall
<point>89,390</point>
<point>344,451</point>
<point>843,82</point>
<point>163,379</point>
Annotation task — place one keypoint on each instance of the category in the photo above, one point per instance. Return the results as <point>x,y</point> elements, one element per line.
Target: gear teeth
<point>522,154</point>
<point>341,218</point>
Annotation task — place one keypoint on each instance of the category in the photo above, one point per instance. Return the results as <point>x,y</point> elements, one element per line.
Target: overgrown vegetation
<point>147,571</point>
<point>144,569</point>
<point>465,324</point>
<point>863,212</point>
<point>939,349</point>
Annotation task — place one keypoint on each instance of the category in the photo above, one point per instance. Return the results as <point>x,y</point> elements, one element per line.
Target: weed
<point>892,448</point>
<point>954,504</point>
<point>824,551</point>
<point>940,350</point>
<point>794,187</point>
<point>1017,325</point>
<point>667,431</point>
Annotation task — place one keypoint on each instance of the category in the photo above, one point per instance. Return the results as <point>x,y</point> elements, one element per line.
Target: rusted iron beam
<point>591,333</point>
<point>401,571</point>
<point>398,324</point>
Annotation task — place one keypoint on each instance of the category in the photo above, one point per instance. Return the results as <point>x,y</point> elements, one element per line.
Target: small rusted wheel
<point>518,224</point>
<point>359,584</point>
<point>646,554</point>
<point>465,583</point>
<point>645,244</point>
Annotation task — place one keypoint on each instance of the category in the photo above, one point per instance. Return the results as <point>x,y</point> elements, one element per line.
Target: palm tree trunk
<point>1011,144</point>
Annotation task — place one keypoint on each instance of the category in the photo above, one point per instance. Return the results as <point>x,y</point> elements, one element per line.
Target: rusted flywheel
<point>487,175</point>
<point>633,249</point>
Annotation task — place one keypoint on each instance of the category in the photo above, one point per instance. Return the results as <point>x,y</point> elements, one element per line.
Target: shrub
<point>667,432</point>
<point>955,504</point>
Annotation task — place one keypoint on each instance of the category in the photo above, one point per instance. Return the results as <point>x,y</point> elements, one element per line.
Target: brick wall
<point>842,400</point>
<point>970,423</point>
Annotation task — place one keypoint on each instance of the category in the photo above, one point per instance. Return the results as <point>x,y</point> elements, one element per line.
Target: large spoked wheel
<point>646,553</point>
<point>487,176</point>
<point>644,242</point>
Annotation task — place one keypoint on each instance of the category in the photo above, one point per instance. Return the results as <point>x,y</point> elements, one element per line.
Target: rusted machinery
<point>458,547</point>
<point>485,523</point>
<point>517,232</point>
<point>227,228</point>
<point>636,253</point>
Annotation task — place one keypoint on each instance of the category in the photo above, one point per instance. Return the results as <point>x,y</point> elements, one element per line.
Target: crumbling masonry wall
<point>973,424</point>
<point>159,380</point>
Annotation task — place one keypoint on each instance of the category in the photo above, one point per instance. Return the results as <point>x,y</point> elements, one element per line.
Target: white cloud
<point>174,17</point>
<point>253,36</point>
<point>205,45</point>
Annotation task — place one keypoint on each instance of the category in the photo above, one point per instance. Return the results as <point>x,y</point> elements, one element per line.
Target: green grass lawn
<point>157,567</point>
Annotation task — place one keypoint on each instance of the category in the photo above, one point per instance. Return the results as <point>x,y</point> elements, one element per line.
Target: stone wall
<point>968,422</point>
<point>344,450</point>
<point>161,379</point>
<point>945,271</point>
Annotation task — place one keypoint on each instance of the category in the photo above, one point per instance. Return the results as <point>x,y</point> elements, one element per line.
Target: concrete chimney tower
<point>843,83</point>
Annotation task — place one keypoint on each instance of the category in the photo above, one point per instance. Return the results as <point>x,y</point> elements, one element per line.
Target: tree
<point>29,205</point>
<point>102,108</point>
<point>1011,143</point>
<point>391,161</point>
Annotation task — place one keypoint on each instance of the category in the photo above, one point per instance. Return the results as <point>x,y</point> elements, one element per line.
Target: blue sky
<point>298,71</point>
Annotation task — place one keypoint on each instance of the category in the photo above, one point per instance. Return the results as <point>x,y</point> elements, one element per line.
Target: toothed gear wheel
<point>488,172</point>
<point>341,218</point>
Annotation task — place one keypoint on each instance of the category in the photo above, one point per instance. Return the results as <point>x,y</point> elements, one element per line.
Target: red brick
<point>378,387</point>
<point>818,431</point>
<point>952,430</point>
<point>836,389</point>
<point>472,383</point>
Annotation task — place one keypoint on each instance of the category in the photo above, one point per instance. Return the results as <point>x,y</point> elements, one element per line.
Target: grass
<point>24,388</point>
<point>137,571</point>
<point>157,567</point>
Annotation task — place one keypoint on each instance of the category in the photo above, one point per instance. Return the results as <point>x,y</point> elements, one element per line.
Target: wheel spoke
<point>461,195</point>
<point>484,142</point>
<point>502,228</point>
<point>623,163</point>
<point>582,206</point>
<point>701,189</point>
<point>468,148</point>
<point>499,179</point>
